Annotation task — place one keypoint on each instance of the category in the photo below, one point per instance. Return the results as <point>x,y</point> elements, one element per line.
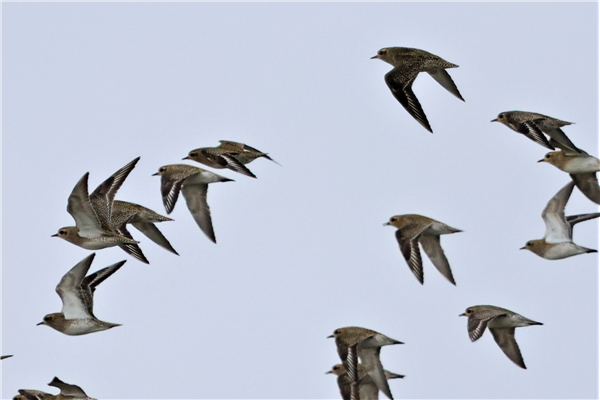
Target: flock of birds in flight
<point>101,222</point>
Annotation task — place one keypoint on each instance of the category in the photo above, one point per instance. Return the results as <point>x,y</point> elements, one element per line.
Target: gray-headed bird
<point>534,125</point>
<point>414,229</point>
<point>502,324</point>
<point>408,63</point>
<point>193,183</point>
<point>557,242</point>
<point>355,342</point>
<point>76,291</point>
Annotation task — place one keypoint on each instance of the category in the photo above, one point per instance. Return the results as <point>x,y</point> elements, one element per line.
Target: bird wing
<point>505,337</point>
<point>575,219</point>
<point>152,233</point>
<point>195,197</point>
<point>409,246</point>
<point>169,188</point>
<point>68,289</point>
<point>443,78</point>
<point>88,286</point>
<point>66,389</point>
<point>80,208</point>
<point>103,197</point>
<point>130,248</point>
<point>557,228</point>
<point>588,185</point>
<point>433,249</point>
<point>401,86</point>
<point>29,394</point>
<point>560,140</point>
<point>370,359</point>
<point>533,132</point>
<point>235,165</point>
<point>476,325</point>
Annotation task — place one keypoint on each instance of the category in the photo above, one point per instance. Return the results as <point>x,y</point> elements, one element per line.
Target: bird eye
<point>161,169</point>
<point>392,219</point>
<point>381,52</point>
<point>528,244</point>
<point>547,156</point>
<point>47,318</point>
<point>337,332</point>
<point>193,154</point>
<point>62,232</point>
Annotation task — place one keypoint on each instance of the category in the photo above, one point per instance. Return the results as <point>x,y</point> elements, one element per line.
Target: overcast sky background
<point>301,250</point>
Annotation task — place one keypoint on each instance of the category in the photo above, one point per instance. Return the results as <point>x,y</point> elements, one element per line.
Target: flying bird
<point>557,242</point>
<point>408,63</point>
<point>193,183</point>
<point>242,152</point>
<point>355,342</point>
<point>76,291</point>
<point>413,229</point>
<point>534,125</point>
<point>502,324</point>
<point>218,157</point>
<point>94,228</point>
<point>366,387</point>
<point>581,167</point>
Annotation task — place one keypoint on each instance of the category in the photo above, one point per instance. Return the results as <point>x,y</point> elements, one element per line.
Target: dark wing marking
<point>235,165</point>
<point>402,91</point>
<point>170,192</point>
<point>131,248</point>
<point>533,132</point>
<point>575,219</point>
<point>103,197</point>
<point>88,286</point>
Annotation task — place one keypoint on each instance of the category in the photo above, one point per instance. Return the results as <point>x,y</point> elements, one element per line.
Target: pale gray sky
<point>301,250</point>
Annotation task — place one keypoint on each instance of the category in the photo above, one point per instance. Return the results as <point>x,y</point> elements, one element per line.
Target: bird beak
<point>186,158</point>
<point>375,56</point>
<point>386,223</point>
<point>41,323</point>
<point>523,248</point>
<point>494,120</point>
<point>462,315</point>
<point>328,372</point>
<point>542,160</point>
<point>55,235</point>
<point>155,174</point>
<point>329,337</point>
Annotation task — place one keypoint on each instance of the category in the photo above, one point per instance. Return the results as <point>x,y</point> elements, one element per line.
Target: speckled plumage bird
<point>242,152</point>
<point>534,125</point>
<point>217,157</point>
<point>366,387</point>
<point>557,242</point>
<point>502,324</point>
<point>408,63</point>
<point>31,394</point>
<point>143,219</point>
<point>193,183</point>
<point>354,342</point>
<point>94,228</point>
<point>76,291</point>
<point>414,229</point>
